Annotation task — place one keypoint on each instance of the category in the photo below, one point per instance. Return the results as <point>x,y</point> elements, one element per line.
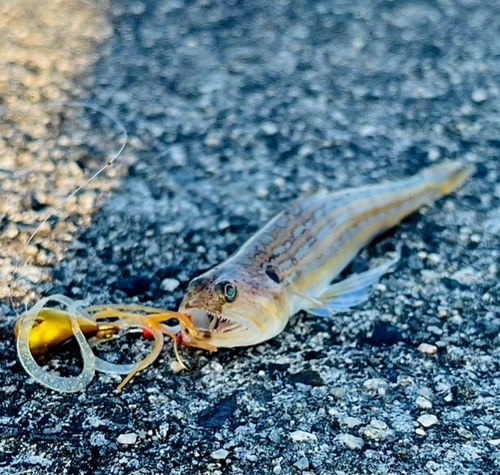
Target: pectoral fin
<point>350,292</point>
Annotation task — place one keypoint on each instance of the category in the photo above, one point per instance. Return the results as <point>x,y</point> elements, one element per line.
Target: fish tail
<point>448,176</point>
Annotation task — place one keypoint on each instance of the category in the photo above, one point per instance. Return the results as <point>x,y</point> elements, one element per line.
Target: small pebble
<point>213,140</point>
<point>223,224</point>
<point>420,431</point>
<point>163,430</point>
<point>220,454</point>
<point>377,385</point>
<point>127,439</point>
<point>434,258</point>
<point>423,403</point>
<point>479,95</point>
<point>261,192</point>
<point>434,329</point>
<point>351,422</point>
<point>169,285</point>
<point>178,155</point>
<point>376,430</point>
<point>302,436</point>
<point>212,367</point>
<point>302,463</point>
<point>494,442</point>
<point>45,229</point>
<point>484,430</point>
<point>305,151</point>
<point>350,441</point>
<point>457,320</point>
<point>269,128</point>
<point>378,424</point>
<point>338,392</point>
<point>425,392</point>
<point>427,420</point>
<point>434,154</point>
<point>176,367</point>
<point>448,398</point>
<point>427,349</point>
<point>11,232</point>
<point>31,251</point>
<point>367,130</point>
<point>464,433</point>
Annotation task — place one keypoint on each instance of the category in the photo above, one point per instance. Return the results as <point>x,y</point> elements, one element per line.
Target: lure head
<point>52,328</point>
<point>230,306</point>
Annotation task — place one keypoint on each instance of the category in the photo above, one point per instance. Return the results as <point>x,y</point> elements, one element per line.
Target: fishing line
<point>108,164</point>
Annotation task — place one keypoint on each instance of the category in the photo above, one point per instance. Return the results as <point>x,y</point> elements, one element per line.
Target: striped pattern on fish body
<point>294,258</point>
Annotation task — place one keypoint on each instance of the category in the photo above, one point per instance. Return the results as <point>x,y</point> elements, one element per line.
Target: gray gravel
<point>234,109</point>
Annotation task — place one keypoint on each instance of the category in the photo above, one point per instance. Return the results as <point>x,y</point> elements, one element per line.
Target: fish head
<point>231,306</point>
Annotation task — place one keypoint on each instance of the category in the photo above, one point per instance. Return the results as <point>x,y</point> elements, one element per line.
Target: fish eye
<point>229,291</point>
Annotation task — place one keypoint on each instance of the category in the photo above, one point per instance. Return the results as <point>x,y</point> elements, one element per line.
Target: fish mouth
<point>205,320</point>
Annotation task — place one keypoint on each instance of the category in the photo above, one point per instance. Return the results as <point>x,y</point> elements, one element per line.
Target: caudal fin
<point>448,176</point>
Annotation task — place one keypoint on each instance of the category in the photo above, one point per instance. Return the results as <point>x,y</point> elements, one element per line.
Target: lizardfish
<point>289,265</point>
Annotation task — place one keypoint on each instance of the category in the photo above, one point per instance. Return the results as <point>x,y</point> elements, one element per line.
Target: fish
<point>290,265</point>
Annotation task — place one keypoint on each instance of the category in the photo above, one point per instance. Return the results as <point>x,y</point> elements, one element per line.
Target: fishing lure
<point>42,328</point>
<point>286,267</point>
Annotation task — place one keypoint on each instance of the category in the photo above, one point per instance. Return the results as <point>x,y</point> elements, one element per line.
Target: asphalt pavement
<point>234,109</point>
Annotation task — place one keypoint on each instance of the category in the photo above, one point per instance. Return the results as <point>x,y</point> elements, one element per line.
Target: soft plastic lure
<point>42,328</point>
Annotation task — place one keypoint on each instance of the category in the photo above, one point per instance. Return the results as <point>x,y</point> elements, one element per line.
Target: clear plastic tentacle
<point>67,384</point>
